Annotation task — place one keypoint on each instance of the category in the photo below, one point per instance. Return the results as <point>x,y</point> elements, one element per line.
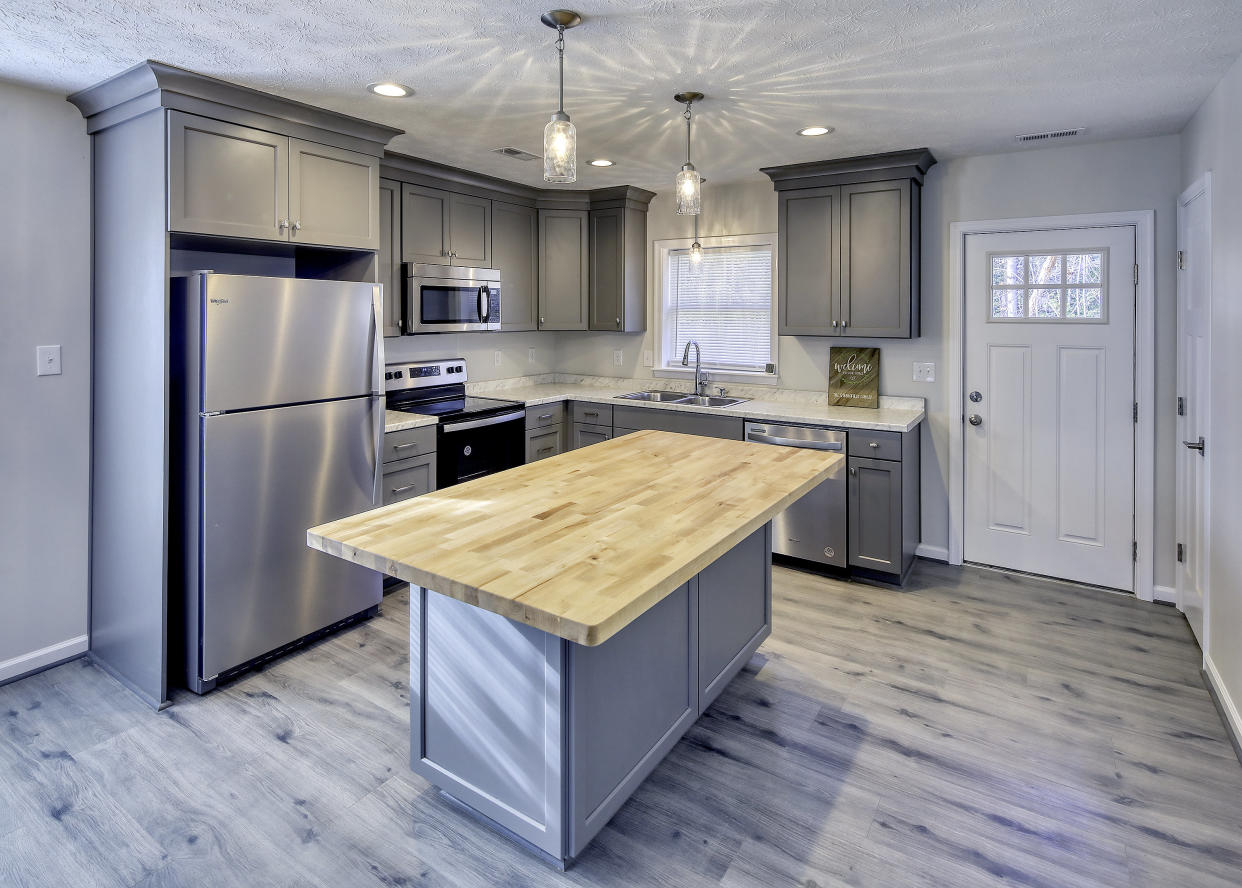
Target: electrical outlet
<point>497,358</point>
<point>47,360</point>
<point>530,356</point>
<point>924,371</point>
<point>648,359</point>
<point>618,357</point>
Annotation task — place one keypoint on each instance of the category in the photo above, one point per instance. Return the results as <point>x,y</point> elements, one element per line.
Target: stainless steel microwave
<point>451,298</point>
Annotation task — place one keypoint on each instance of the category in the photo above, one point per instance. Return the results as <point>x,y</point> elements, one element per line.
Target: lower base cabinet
<point>543,443</point>
<point>409,464</point>
<point>883,501</point>
<point>585,434</point>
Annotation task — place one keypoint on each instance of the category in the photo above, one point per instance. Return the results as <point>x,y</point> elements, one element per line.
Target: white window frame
<point>660,258</point>
<point>1065,286</point>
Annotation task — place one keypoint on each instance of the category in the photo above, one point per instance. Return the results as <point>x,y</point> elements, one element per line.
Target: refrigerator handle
<point>377,341</point>
<point>377,435</point>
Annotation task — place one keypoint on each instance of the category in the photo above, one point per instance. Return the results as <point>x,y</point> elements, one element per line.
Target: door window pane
<point>1045,270</point>
<point>1084,268</point>
<point>1008,304</point>
<point>1008,270</point>
<point>1087,302</point>
<point>1049,286</point>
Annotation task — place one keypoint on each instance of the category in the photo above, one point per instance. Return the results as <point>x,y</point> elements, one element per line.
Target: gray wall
<point>45,251</point>
<point>1211,142</point>
<point>1139,174</point>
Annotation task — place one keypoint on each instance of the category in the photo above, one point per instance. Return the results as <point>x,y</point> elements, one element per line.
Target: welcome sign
<point>853,376</point>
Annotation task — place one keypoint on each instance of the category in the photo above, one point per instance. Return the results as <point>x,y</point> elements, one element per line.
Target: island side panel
<point>486,715</point>
<point>735,611</point>
<point>630,700</point>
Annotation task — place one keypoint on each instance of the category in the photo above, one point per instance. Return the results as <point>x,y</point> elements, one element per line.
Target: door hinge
<point>1181,260</point>
<point>1134,550</point>
<point>1181,553</point>
<point>1136,411</point>
<point>1181,406</point>
<point>1136,274</point>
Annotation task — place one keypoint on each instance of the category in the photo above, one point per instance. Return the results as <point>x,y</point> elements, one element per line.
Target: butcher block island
<point>571,618</point>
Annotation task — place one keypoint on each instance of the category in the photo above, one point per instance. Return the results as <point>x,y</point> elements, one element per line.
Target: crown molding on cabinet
<point>911,164</point>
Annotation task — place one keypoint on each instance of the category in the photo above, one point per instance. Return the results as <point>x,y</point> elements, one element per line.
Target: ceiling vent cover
<point>516,153</point>
<point>1051,134</point>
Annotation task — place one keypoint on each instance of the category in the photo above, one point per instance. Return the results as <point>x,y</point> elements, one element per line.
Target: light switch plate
<point>648,360</point>
<point>530,356</point>
<point>618,357</point>
<point>498,357</point>
<point>47,359</point>
<point>924,371</point>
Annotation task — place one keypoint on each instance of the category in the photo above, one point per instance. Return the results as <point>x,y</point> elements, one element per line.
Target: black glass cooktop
<point>457,408</point>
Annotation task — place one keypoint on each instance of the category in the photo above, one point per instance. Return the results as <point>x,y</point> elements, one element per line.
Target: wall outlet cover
<point>618,357</point>
<point>530,356</point>
<point>47,358</point>
<point>498,357</point>
<point>924,371</point>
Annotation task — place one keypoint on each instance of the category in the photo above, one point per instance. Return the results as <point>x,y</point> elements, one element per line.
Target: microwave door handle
<point>484,307</point>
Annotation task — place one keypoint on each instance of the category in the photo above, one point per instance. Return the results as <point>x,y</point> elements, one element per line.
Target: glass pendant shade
<point>560,150</point>
<point>696,252</point>
<point>688,202</point>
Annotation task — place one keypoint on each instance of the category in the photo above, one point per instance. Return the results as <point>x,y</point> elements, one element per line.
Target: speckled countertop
<point>772,405</point>
<point>396,421</point>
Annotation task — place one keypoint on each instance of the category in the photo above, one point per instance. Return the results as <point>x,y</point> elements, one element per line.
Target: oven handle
<point>485,308</point>
<point>479,423</point>
<point>790,442</point>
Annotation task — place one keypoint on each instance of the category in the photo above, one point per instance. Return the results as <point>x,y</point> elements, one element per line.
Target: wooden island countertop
<point>581,544</point>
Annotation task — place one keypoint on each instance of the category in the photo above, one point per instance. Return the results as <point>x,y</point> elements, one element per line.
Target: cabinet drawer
<point>543,443</point>
<point>409,442</point>
<point>876,445</point>
<point>545,415</point>
<point>596,414</point>
<point>409,478</point>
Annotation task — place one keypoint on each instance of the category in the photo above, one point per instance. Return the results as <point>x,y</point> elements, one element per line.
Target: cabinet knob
<point>853,471</point>
<point>297,226</point>
<point>618,322</point>
<point>834,323</point>
<point>541,320</point>
<point>284,223</point>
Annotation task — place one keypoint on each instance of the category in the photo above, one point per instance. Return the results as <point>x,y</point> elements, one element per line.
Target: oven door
<point>473,448</point>
<point>451,305</point>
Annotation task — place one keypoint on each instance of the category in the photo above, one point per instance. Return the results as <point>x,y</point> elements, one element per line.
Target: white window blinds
<point>725,303</point>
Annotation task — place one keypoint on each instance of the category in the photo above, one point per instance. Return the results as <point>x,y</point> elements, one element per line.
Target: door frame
<point>1202,187</point>
<point>1144,222</point>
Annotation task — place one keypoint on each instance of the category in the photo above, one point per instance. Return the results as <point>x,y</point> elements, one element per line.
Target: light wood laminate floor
<point>973,729</point>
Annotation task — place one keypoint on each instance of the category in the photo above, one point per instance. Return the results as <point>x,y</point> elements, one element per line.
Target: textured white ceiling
<point>962,77</point>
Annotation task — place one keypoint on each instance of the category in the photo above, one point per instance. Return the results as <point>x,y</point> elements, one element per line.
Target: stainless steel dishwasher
<point>815,527</point>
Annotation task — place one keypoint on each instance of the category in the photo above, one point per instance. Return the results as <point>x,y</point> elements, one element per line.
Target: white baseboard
<point>1167,594</point>
<point>1233,720</point>
<point>935,553</point>
<point>34,660</point>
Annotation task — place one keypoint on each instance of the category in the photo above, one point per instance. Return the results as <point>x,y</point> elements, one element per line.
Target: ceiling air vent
<point>1050,135</point>
<point>516,153</point>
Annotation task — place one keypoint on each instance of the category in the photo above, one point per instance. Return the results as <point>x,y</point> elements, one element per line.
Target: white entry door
<point>1194,349</point>
<point>1049,399</point>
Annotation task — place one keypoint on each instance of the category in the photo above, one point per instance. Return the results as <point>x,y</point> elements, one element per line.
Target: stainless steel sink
<point>655,396</point>
<point>712,401</point>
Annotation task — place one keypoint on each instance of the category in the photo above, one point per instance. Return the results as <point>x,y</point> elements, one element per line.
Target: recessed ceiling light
<point>390,90</point>
<point>815,130</point>
<point>601,162</point>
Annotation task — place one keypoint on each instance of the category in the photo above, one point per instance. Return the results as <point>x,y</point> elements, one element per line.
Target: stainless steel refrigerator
<point>278,427</point>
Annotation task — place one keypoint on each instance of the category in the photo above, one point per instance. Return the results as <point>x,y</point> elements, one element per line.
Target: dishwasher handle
<point>761,438</point>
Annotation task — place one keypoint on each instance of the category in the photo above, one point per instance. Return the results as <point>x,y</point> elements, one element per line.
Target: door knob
<point>975,419</point>
<point>976,397</point>
<point>1199,445</point>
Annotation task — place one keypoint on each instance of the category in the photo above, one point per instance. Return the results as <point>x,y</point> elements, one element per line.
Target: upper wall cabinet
<point>564,267</point>
<point>389,256</point>
<point>849,245</point>
<point>445,228</point>
<point>236,181</point>
<point>618,244</point>
<point>515,251</point>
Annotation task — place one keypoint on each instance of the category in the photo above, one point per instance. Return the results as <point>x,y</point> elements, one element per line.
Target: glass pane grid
<point>1049,286</point>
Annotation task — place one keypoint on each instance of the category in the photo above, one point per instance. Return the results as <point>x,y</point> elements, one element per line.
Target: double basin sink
<point>683,398</point>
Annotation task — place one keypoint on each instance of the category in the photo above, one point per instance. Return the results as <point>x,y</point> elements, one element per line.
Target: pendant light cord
<point>560,51</point>
<point>687,116</point>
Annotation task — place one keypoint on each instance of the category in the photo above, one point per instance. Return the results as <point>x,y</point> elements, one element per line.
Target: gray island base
<point>544,738</point>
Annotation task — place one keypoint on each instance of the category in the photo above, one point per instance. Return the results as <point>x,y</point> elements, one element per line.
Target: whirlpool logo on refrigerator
<point>218,300</point>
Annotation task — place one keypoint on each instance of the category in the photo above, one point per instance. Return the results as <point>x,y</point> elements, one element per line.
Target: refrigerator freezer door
<point>271,341</point>
<point>268,475</point>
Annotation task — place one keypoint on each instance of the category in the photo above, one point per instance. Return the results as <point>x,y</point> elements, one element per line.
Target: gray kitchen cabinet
<point>333,196</point>
<point>515,252</point>
<point>237,181</point>
<point>408,478</point>
<point>705,425</point>
<point>618,291</point>
<point>849,255</point>
<point>543,443</point>
<point>883,500</point>
<point>225,179</point>
<point>470,231</point>
<point>585,434</point>
<point>564,269</point>
<point>388,260</point>
<point>424,225</point>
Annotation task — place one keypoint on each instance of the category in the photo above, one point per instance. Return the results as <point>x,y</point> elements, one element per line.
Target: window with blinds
<point>724,302</point>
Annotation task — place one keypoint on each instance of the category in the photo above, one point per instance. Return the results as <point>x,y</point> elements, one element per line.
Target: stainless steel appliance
<point>814,528</point>
<point>277,427</point>
<point>451,298</point>
<point>475,436</point>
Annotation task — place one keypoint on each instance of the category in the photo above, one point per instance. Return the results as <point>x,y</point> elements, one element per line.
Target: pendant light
<point>696,248</point>
<point>560,138</point>
<point>688,192</point>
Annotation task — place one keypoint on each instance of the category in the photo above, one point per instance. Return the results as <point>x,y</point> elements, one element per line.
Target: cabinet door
<point>542,443</point>
<point>586,434</point>
<point>875,259</point>
<point>563,259</point>
<point>607,269</point>
<point>809,280</point>
<point>424,225</point>
<point>333,196</point>
<point>388,259</point>
<point>470,231</point>
<point>515,251</point>
<point>875,514</point>
<point>226,179</point>
<point>408,479</point>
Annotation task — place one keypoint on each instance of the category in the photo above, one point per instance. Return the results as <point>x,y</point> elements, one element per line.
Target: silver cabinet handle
<point>590,413</point>
<point>297,226</point>
<point>873,445</point>
<point>854,471</point>
<point>1200,445</point>
<point>544,416</point>
<point>541,320</point>
<point>397,490</point>
<point>791,442</point>
<point>834,323</point>
<point>618,322</point>
<point>975,419</point>
<point>545,450</point>
<point>284,224</point>
<point>396,447</point>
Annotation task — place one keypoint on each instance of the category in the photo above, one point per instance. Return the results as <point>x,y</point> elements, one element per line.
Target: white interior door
<point>1049,399</point>
<point>1194,348</point>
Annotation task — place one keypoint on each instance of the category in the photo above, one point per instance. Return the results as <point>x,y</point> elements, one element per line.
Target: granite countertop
<point>583,544</point>
<point>396,421</point>
<point>893,415</point>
